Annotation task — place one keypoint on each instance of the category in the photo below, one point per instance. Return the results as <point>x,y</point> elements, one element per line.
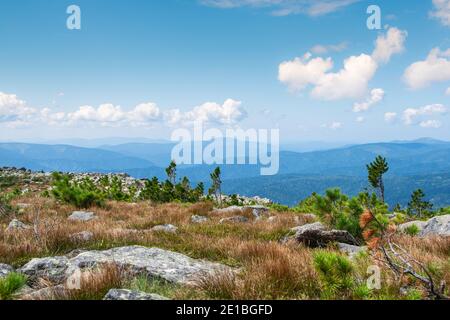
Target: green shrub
<point>11,284</point>
<point>412,230</point>
<point>336,274</point>
<point>83,194</point>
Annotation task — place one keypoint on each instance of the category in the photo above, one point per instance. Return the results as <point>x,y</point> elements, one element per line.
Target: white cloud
<point>229,113</point>
<point>447,92</point>
<point>431,124</point>
<point>284,7</point>
<point>389,44</point>
<point>360,119</point>
<point>376,95</point>
<point>435,68</point>
<point>410,115</point>
<point>333,125</point>
<point>390,117</point>
<point>323,49</point>
<point>349,82</point>
<point>13,109</point>
<point>441,11</point>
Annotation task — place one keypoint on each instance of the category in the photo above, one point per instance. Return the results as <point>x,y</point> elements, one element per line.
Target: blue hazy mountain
<point>65,158</point>
<point>421,163</point>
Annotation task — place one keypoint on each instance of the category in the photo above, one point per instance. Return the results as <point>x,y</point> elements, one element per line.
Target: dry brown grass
<point>267,269</point>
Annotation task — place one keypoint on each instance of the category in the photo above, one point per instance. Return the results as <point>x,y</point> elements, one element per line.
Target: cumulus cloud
<point>376,95</point>
<point>447,92</point>
<point>13,109</point>
<point>411,115</point>
<point>229,113</point>
<point>390,117</point>
<point>435,68</point>
<point>441,11</point>
<point>284,7</point>
<point>435,124</point>
<point>349,82</point>
<point>389,44</point>
<point>145,114</point>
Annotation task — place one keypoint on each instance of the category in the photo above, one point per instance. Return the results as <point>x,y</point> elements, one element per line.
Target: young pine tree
<point>418,206</point>
<point>376,170</point>
<point>216,186</point>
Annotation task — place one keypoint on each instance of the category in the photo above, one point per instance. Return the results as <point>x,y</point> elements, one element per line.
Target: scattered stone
<point>122,294</point>
<point>82,216</point>
<point>5,270</point>
<point>258,211</point>
<point>272,219</point>
<point>83,236</point>
<point>51,269</point>
<point>351,250</point>
<point>232,209</point>
<point>165,228</point>
<point>151,262</point>
<point>437,226</point>
<point>199,219</point>
<point>316,235</point>
<point>135,260</point>
<point>17,225</point>
<point>236,219</point>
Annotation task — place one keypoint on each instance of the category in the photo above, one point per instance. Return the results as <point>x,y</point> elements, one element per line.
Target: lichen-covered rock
<point>309,226</point>
<point>199,219</point>
<point>316,235</point>
<point>135,260</point>
<point>165,228</point>
<point>258,211</point>
<point>83,236</point>
<point>150,262</point>
<point>51,268</point>
<point>5,270</point>
<point>228,210</point>
<point>17,225</point>
<point>437,226</point>
<point>236,219</point>
<point>351,250</point>
<point>122,294</point>
<point>82,216</point>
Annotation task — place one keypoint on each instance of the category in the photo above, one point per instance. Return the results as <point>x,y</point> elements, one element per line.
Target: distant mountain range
<point>423,163</point>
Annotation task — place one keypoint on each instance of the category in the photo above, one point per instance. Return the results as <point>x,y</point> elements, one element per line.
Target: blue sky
<point>143,68</point>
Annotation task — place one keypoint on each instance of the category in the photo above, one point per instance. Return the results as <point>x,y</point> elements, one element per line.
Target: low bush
<point>11,284</point>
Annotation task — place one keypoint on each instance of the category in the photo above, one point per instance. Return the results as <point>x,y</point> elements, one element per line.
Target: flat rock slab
<point>51,268</point>
<point>5,270</point>
<point>351,250</point>
<point>17,225</point>
<point>169,228</point>
<point>199,219</point>
<point>316,235</point>
<point>237,219</point>
<point>437,226</point>
<point>135,260</point>
<point>83,236</point>
<point>123,294</point>
<point>82,216</point>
